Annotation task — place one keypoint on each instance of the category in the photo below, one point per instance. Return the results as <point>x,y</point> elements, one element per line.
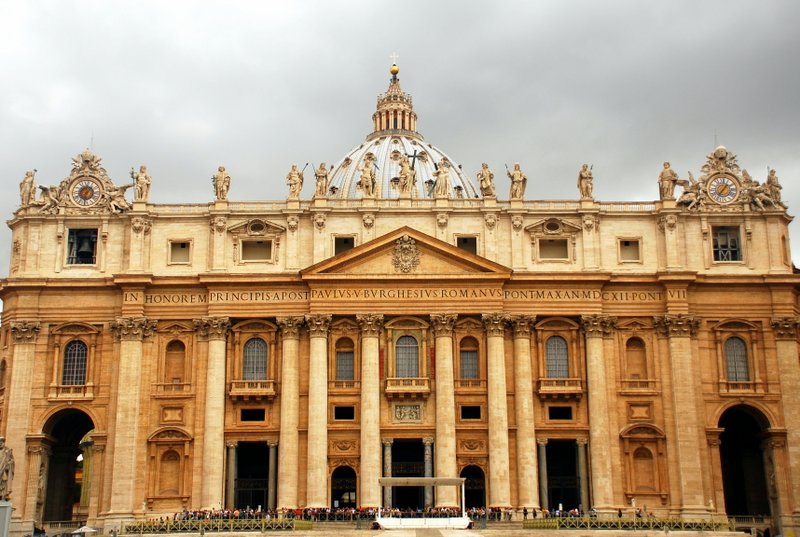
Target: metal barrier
<point>217,525</point>
<point>628,524</point>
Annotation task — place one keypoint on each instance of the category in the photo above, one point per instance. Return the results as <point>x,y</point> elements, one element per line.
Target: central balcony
<point>560,388</point>
<point>408,387</point>
<point>252,389</point>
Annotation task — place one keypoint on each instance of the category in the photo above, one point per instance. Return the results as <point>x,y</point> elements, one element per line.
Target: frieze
<point>407,413</point>
<point>343,446</point>
<point>133,328</point>
<point>473,445</point>
<point>24,331</point>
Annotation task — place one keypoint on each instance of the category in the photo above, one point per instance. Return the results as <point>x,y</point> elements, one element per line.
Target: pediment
<point>256,227</point>
<point>553,226</point>
<point>406,253</point>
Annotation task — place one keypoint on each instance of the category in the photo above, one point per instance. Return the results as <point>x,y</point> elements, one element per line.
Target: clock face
<point>723,189</point>
<point>86,192</point>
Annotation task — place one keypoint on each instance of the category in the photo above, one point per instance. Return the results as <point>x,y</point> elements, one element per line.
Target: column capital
<point>318,324</point>
<point>133,328</point>
<point>495,323</point>
<point>541,441</point>
<point>290,326</point>
<point>443,323</point>
<point>785,327</point>
<point>212,327</point>
<point>522,325</point>
<point>582,441</point>
<point>387,442</point>
<point>231,445</point>
<point>24,331</point>
<point>598,325</point>
<point>427,441</point>
<point>272,444</point>
<point>680,325</point>
<point>371,324</point>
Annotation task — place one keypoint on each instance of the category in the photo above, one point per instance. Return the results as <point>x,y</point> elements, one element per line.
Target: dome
<point>395,135</point>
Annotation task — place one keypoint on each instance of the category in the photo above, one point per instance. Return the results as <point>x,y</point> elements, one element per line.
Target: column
<point>18,401</point>
<point>583,473</point>
<point>785,329</point>
<point>371,325</point>
<point>272,483</point>
<point>317,465</point>
<point>499,478</point>
<point>387,470</point>
<point>445,463</point>
<point>215,329</point>
<point>130,332</point>
<point>527,494</point>
<point>38,463</point>
<point>230,487</point>
<point>288,445</point>
<point>595,328</point>
<point>542,445</point>
<point>686,404</point>
<point>428,445</point>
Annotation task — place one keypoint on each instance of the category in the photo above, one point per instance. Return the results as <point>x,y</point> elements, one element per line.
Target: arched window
<point>345,366</point>
<point>255,360</point>
<point>74,372</point>
<point>406,357</point>
<point>736,360</point>
<point>644,470</point>
<point>556,357</point>
<point>174,361</point>
<point>636,358</point>
<point>468,354</point>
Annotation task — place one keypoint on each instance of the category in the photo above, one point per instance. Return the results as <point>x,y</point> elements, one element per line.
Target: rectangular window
<point>252,414</point>
<point>470,412</point>
<point>726,244</point>
<point>257,250</point>
<point>346,413</point>
<point>180,252</point>
<point>468,244</point>
<point>553,249</point>
<point>342,244</point>
<point>629,250</point>
<point>82,247</point>
<point>559,412</point>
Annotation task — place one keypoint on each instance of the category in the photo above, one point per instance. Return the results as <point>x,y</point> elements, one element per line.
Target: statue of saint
<point>518,182</point>
<point>667,180</point>
<point>6,469</point>
<point>222,183</point>
<point>486,180</point>
<point>405,175</point>
<point>774,188</point>
<point>367,180</point>
<point>585,185</point>
<point>321,175</point>
<point>295,181</point>
<point>441,188</point>
<point>142,182</point>
<point>27,190</point>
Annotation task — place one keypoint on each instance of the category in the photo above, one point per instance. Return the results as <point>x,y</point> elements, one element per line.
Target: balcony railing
<point>555,388</point>
<point>738,387</point>
<point>638,385</point>
<point>408,387</point>
<point>471,384</point>
<point>344,385</point>
<point>71,391</point>
<point>171,389</point>
<point>252,389</point>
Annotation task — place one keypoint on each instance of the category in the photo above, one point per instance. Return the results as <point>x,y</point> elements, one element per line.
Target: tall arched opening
<point>66,489</point>
<point>474,486</point>
<point>741,454</point>
<point>343,487</point>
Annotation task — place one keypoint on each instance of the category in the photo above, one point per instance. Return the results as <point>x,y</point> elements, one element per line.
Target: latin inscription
<point>410,293</point>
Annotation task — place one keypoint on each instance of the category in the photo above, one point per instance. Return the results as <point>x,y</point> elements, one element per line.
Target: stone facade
<point>289,353</point>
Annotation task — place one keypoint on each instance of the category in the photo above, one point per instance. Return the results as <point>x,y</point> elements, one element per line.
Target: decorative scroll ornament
<point>490,219</point>
<point>405,256</point>
<point>139,225</point>
<point>218,223</point>
<point>292,223</point>
<point>368,220</point>
<point>133,328</point>
<point>319,221</point>
<point>517,221</point>
<point>590,222</point>
<point>667,222</point>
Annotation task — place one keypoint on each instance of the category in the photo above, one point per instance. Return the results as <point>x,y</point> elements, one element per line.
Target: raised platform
<point>442,523</point>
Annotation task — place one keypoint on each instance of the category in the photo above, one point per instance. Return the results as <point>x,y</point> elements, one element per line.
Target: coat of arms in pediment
<point>405,256</point>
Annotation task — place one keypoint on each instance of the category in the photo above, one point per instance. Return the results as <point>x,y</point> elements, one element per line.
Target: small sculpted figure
<point>585,185</point>
<point>667,180</point>
<point>222,183</point>
<point>486,181</point>
<point>518,182</point>
<point>441,188</point>
<point>27,190</point>
<point>6,469</point>
<point>321,176</point>
<point>142,181</point>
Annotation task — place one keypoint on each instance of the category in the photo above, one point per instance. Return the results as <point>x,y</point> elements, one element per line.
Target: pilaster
<point>499,475</point>
<point>317,465</point>
<point>371,326</point>
<point>785,330</point>
<point>445,407</point>
<point>288,447</point>
<point>527,494</point>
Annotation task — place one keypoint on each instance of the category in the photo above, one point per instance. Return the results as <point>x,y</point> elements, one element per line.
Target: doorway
<point>65,476</point>
<point>252,474</point>
<point>408,460</point>
<point>743,477</point>
<point>563,481</point>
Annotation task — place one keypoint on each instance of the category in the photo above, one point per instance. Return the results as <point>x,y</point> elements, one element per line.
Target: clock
<point>723,189</point>
<point>85,192</point>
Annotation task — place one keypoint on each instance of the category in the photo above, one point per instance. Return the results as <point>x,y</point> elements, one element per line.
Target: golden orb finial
<point>394,69</point>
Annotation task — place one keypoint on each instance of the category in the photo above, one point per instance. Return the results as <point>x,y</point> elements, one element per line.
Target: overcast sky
<point>186,86</point>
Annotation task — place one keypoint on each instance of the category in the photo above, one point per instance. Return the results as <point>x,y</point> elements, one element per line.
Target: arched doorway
<point>65,469</point>
<point>474,487</point>
<point>742,458</point>
<point>343,487</point>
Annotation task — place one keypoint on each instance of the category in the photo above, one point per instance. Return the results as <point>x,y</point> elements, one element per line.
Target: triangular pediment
<point>406,253</point>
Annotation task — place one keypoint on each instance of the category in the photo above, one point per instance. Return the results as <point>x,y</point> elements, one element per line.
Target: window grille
<point>557,359</point>
<point>407,357</point>
<point>74,373</point>
<point>255,360</point>
<point>736,359</point>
